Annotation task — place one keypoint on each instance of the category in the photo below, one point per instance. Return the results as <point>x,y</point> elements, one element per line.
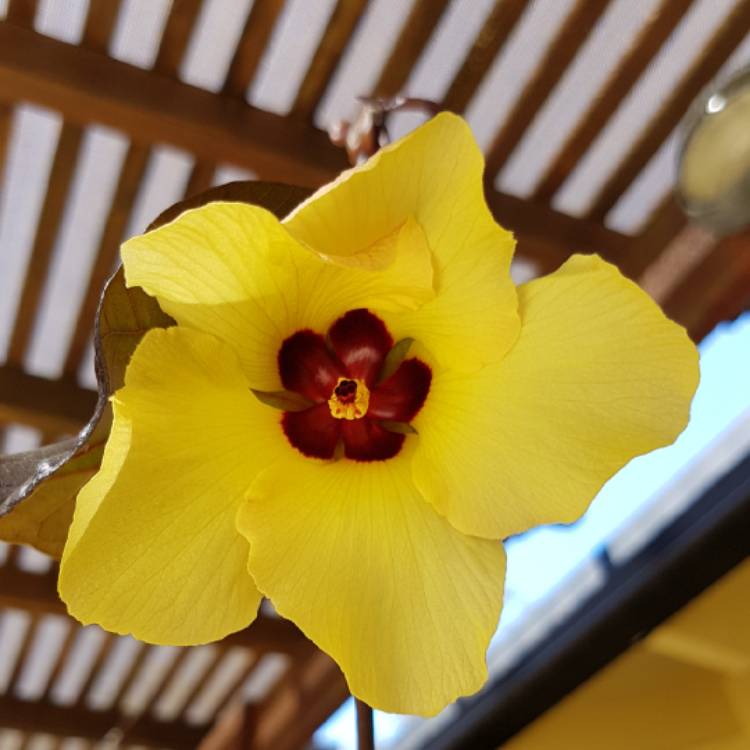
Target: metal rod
<point>365,727</point>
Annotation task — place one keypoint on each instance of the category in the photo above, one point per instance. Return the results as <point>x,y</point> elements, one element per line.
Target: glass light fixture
<point>713,171</point>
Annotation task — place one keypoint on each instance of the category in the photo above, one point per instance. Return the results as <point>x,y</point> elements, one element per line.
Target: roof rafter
<point>152,108</point>
<point>66,721</point>
<point>619,84</point>
<point>99,25</point>
<point>728,37</point>
<point>177,32</point>
<point>571,35</point>
<point>88,87</point>
<point>57,407</point>
<point>38,594</point>
<point>487,46</point>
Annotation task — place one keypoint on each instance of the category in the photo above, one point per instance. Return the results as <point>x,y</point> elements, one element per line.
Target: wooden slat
<point>177,31</point>
<point>233,691</point>
<point>131,175</point>
<point>665,223</point>
<point>23,654</point>
<point>21,12</point>
<point>574,31</point>
<point>61,177</point>
<point>11,559</point>
<point>175,39</point>
<point>38,594</point>
<point>201,178</point>
<point>233,730</point>
<point>86,87</point>
<point>487,46</point>
<point>341,26</point>
<point>705,67</point>
<point>6,122</point>
<point>60,660</point>
<point>131,725</point>
<point>253,42</point>
<point>644,48</point>
<point>159,109</point>
<point>96,35</point>
<point>59,407</point>
<point>302,700</point>
<point>103,653</point>
<point>413,38</point>
<point>64,721</point>
<point>717,289</point>
<point>100,22</point>
<point>131,675</point>
<point>206,677</point>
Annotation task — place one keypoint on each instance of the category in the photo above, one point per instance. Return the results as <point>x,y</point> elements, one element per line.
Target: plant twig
<point>365,727</point>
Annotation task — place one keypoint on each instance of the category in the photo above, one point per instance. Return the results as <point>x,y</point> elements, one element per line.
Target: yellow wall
<point>685,687</point>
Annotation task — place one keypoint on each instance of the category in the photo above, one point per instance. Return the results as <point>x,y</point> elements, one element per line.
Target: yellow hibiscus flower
<point>433,409</point>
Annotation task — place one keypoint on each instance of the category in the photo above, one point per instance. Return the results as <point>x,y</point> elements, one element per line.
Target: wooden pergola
<point>698,279</point>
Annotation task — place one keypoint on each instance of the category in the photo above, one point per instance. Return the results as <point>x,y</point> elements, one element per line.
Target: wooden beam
<point>88,87</point>
<point>153,108</point>
<point>38,594</point>
<point>665,223</point>
<point>549,237</point>
<point>64,721</point>
<point>341,26</point>
<point>717,289</point>
<point>56,406</point>
<point>415,34</point>
<point>619,84</point>
<point>491,39</point>
<point>573,32</point>
<point>705,67</point>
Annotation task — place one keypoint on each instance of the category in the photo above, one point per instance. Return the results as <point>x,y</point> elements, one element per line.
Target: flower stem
<point>365,727</point>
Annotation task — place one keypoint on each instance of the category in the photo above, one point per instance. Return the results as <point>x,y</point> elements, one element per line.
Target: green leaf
<point>403,428</point>
<point>394,358</point>
<point>283,400</point>
<point>38,488</point>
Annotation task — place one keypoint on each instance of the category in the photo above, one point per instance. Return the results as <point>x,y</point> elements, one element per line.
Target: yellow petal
<point>153,549</point>
<point>433,175</point>
<point>598,376</point>
<point>351,553</point>
<point>232,270</point>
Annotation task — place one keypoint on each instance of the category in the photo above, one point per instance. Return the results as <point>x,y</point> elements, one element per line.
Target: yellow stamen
<point>350,399</point>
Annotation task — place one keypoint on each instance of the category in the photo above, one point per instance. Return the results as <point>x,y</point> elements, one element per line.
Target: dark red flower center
<point>346,391</point>
<point>354,403</point>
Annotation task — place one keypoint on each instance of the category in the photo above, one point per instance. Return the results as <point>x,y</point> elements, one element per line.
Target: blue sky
<point>539,560</point>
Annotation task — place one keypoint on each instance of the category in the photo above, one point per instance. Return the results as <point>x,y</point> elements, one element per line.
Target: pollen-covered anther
<point>350,399</point>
